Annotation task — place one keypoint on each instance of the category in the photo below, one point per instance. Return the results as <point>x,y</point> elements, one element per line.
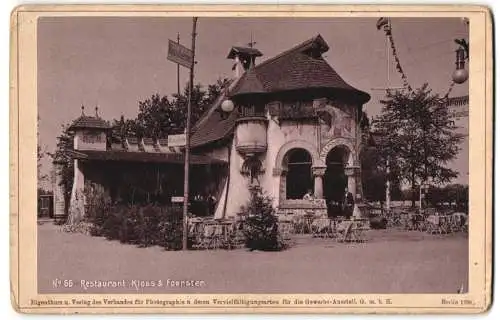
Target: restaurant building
<point>293,127</point>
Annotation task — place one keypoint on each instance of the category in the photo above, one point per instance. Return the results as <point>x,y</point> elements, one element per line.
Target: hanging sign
<point>179,54</point>
<point>177,199</point>
<point>176,140</point>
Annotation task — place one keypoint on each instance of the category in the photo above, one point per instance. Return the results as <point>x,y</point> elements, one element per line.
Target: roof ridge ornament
<point>83,110</point>
<point>96,111</point>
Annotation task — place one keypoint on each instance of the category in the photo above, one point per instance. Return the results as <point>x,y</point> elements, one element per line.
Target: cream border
<point>23,144</point>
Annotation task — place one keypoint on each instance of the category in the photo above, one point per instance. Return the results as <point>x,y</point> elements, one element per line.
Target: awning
<point>143,157</point>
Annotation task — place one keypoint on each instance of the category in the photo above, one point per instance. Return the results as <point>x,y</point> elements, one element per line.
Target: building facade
<point>290,124</point>
<point>294,130</point>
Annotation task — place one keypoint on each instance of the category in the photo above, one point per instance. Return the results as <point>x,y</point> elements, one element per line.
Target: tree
<point>122,128</point>
<point>261,224</point>
<point>419,134</point>
<point>160,116</point>
<point>64,163</point>
<point>40,153</point>
<point>374,167</point>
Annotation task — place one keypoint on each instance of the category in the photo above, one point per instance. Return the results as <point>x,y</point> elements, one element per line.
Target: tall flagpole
<point>178,71</point>
<point>188,142</point>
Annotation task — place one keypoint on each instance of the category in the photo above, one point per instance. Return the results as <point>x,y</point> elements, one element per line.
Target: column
<point>352,176</point>
<point>59,201</point>
<point>318,173</point>
<point>77,203</point>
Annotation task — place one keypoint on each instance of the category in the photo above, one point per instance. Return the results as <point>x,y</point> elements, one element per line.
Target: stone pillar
<point>59,201</point>
<point>318,173</point>
<point>281,195</point>
<point>77,203</point>
<point>352,174</point>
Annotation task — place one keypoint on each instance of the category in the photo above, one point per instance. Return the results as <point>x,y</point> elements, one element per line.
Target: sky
<point>115,62</point>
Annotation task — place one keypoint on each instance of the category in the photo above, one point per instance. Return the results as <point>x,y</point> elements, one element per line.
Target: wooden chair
<point>322,228</point>
<point>344,231</point>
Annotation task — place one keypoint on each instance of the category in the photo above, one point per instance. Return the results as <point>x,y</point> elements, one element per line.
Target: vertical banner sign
<point>179,54</point>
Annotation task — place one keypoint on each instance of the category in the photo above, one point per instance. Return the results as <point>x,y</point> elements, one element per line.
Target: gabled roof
<point>88,122</point>
<point>301,67</point>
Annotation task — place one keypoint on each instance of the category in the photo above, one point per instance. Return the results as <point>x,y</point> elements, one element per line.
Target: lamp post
<point>461,74</point>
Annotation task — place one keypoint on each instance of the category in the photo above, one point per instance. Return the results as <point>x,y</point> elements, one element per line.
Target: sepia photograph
<point>254,155</point>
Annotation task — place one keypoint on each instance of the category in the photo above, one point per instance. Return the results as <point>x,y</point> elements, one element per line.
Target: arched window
<point>298,178</point>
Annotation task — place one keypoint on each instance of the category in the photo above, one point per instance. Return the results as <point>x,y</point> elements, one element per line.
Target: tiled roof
<point>301,67</point>
<point>154,157</point>
<point>88,122</point>
<point>249,84</point>
<point>216,127</point>
<point>298,68</point>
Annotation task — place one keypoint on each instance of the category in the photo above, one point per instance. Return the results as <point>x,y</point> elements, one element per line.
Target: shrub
<point>260,226</point>
<point>141,225</point>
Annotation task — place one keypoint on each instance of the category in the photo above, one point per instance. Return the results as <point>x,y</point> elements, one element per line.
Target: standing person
<point>211,201</point>
<point>348,203</point>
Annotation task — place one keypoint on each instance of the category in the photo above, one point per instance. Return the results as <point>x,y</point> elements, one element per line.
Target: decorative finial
<point>96,111</point>
<point>251,43</point>
<point>83,110</point>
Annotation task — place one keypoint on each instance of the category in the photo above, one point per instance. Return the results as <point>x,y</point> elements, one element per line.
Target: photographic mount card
<point>325,166</point>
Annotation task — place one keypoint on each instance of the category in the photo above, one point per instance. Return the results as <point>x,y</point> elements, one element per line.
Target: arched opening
<point>335,179</point>
<point>298,177</point>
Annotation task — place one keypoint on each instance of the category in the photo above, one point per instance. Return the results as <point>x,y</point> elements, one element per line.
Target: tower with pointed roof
<point>90,132</point>
<point>244,58</point>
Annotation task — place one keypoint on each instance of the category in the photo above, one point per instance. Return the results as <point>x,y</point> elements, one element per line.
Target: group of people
<point>347,205</point>
<point>203,205</point>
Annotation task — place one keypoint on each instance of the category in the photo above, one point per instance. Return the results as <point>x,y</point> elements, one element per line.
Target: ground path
<point>390,262</point>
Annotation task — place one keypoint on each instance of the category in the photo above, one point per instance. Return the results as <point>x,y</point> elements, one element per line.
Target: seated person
<point>308,195</point>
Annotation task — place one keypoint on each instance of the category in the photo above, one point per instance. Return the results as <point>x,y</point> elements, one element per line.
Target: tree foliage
<point>419,135</point>
<point>261,223</point>
<point>160,116</point>
<point>374,167</point>
<point>64,163</point>
<point>40,154</point>
<point>453,194</point>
